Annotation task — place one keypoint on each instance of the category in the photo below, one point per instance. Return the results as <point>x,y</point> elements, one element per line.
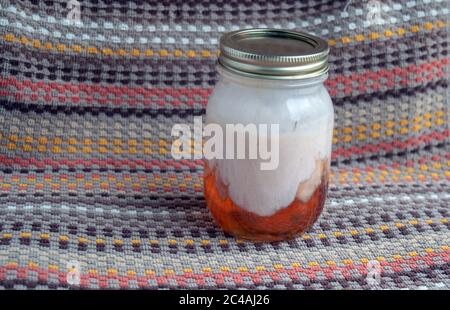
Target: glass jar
<point>271,77</point>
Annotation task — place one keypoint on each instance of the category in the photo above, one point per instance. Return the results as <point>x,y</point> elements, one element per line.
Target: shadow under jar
<point>270,76</point>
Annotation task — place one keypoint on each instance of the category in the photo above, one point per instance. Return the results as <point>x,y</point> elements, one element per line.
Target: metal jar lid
<point>274,54</point>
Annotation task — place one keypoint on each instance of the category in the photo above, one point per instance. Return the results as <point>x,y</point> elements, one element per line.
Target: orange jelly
<point>283,224</point>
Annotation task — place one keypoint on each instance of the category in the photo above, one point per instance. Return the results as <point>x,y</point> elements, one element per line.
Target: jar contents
<point>269,205</point>
<point>285,223</point>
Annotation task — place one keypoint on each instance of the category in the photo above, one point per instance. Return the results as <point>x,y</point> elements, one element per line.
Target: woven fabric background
<point>86,175</point>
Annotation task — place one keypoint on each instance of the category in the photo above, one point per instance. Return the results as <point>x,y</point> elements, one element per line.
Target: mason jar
<point>274,78</point>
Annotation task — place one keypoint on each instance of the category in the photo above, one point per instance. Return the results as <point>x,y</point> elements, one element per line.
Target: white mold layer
<point>305,116</point>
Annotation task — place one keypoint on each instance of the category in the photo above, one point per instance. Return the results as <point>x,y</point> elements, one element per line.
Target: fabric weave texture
<point>88,185</point>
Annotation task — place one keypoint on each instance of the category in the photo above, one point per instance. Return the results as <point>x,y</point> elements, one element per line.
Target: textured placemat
<point>88,186</point>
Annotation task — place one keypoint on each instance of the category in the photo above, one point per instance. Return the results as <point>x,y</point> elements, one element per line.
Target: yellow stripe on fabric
<point>422,173</point>
<point>63,48</point>
<point>220,242</point>
<point>88,146</point>
<point>379,130</point>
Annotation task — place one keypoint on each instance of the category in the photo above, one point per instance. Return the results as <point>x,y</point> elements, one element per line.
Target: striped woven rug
<point>90,196</point>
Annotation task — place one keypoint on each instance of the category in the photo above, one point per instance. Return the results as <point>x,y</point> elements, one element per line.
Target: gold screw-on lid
<point>274,53</point>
